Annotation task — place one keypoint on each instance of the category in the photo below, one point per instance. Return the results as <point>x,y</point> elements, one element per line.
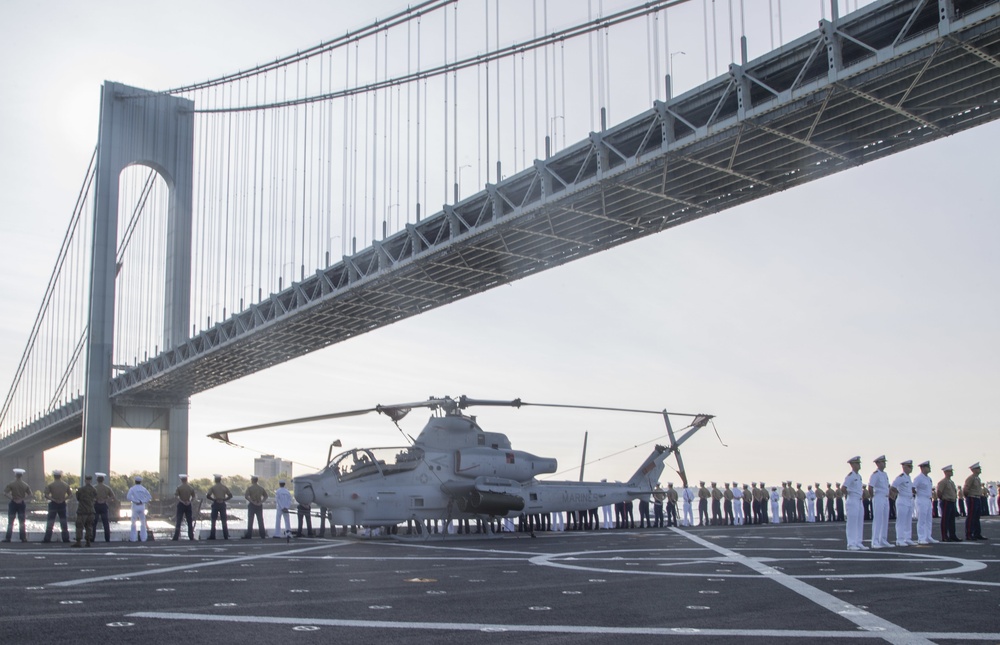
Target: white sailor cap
<point>19,471</point>
<point>947,468</point>
<point>925,463</point>
<point>879,458</point>
<point>138,478</point>
<point>908,462</point>
<point>57,473</point>
<point>974,466</point>
<point>853,459</point>
<point>183,476</point>
<point>101,474</point>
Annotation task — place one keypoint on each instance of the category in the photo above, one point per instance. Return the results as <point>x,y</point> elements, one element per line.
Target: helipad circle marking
<point>493,629</point>
<point>685,630</point>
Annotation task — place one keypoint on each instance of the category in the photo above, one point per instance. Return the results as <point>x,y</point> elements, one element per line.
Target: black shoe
<point>6,539</point>
<point>246,537</point>
<point>210,537</point>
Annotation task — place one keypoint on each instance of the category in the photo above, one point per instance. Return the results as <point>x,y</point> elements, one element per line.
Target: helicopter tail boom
<point>650,470</point>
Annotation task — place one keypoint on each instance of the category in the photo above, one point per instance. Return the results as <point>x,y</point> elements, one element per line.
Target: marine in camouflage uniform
<point>86,495</point>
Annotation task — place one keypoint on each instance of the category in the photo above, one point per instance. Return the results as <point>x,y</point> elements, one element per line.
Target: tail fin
<point>649,473</point>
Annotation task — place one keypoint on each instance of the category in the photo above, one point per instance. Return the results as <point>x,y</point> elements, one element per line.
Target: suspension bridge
<point>228,226</point>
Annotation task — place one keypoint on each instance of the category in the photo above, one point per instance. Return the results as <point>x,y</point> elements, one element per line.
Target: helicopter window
<point>417,502</point>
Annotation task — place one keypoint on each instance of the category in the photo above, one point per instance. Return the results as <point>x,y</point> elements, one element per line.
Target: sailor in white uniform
<point>923,485</point>
<point>140,499</point>
<point>855,514</point>
<point>903,487</point>
<point>879,483</point>
<point>282,504</point>
<point>810,505</point>
<point>688,496</point>
<point>737,505</point>
<point>775,501</point>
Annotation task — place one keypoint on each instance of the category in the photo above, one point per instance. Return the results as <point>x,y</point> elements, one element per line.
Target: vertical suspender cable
<point>454,81</point>
<point>590,76</point>
<point>486,7</point>
<point>419,129</point>
<point>704,8</point>
<point>444,77</point>
<point>496,43</point>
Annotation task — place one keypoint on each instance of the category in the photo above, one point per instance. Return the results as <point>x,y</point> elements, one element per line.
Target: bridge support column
<point>173,451</point>
<point>157,131</point>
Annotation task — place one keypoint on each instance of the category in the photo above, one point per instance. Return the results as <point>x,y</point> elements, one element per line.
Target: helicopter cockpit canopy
<point>360,462</point>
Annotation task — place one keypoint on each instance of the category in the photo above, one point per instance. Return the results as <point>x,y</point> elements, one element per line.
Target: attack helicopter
<point>457,470</point>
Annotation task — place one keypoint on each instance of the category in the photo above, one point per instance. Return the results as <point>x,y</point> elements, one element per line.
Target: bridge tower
<point>138,127</point>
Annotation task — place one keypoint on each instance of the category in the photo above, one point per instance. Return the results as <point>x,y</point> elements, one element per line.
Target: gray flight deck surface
<point>753,584</point>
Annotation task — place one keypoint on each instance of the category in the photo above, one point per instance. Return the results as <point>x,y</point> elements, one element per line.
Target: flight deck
<point>751,584</point>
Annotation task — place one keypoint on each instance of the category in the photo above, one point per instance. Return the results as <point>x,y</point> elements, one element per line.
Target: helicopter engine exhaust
<point>490,503</point>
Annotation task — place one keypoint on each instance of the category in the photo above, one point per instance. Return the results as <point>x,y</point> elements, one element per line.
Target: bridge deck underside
<point>698,154</point>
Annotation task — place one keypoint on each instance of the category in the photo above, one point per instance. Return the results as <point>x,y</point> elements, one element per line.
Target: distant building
<point>267,466</point>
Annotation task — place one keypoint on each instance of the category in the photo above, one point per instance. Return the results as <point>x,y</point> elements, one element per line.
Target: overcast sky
<point>854,315</point>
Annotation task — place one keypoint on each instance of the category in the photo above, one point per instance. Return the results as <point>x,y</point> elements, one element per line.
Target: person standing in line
<point>659,496</point>
<point>219,494</point>
<point>672,498</point>
<point>763,503</point>
<point>86,495</point>
<point>57,493</point>
<point>831,498</point>
<point>282,506</point>
<point>787,510</point>
<point>902,489</point>
<point>688,496</point>
<point>854,488</point>
<point>747,505</point>
<point>105,497</point>
<point>716,505</point>
<point>923,489</point>
<point>820,503</point>
<point>185,497</point>
<point>992,489</point>
<point>727,505</point>
<point>255,495</point>
<point>879,483</point>
<point>974,491</point>
<point>947,494</point>
<point>755,497</point>
<point>776,499</point>
<point>840,493</point>
<point>800,503</point>
<point>810,504</point>
<point>644,519</point>
<point>140,499</point>
<point>17,492</point>
<point>737,505</point>
<point>303,513</point>
<point>703,495</point>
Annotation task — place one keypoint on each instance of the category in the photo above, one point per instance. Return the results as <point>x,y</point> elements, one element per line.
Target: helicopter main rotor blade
<point>223,435</point>
<point>595,407</point>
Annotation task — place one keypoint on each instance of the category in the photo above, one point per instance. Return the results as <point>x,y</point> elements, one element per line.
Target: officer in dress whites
<point>974,492</point>
<point>810,504</point>
<point>879,483</point>
<point>219,494</point>
<point>902,489</point>
<point>775,502</point>
<point>688,496</point>
<point>737,505</point>
<point>57,492</point>
<point>854,487</point>
<point>86,495</point>
<point>659,496</point>
<point>17,492</point>
<point>282,505</point>
<point>703,497</point>
<point>727,505</point>
<point>255,495</point>
<point>947,494</point>
<point>923,489</point>
<point>140,499</point>
<point>992,490</point>
<point>105,497</point>
<point>185,497</point>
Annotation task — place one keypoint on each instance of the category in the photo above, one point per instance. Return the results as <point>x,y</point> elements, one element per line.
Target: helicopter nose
<point>304,494</point>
